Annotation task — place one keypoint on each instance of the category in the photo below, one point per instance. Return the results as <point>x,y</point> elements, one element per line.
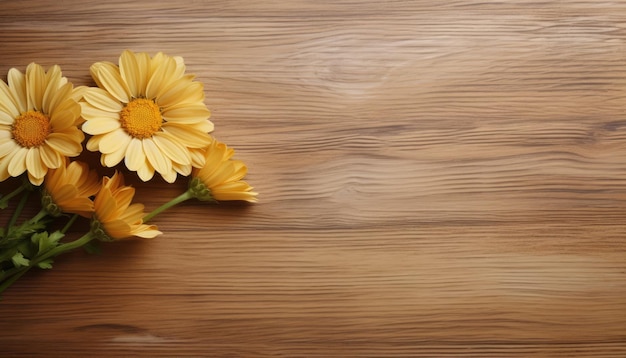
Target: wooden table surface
<point>436,178</point>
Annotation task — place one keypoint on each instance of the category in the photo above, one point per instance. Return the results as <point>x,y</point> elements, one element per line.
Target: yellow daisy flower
<point>68,189</point>
<point>115,218</point>
<point>147,112</point>
<point>220,178</point>
<point>39,118</point>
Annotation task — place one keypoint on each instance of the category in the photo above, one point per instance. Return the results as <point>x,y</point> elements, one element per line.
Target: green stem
<point>40,215</point>
<point>4,201</point>
<point>63,248</point>
<point>69,223</point>
<point>18,210</point>
<point>10,276</point>
<point>177,200</point>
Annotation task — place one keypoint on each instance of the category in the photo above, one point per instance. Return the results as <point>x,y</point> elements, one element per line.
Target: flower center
<point>31,129</point>
<point>141,118</point>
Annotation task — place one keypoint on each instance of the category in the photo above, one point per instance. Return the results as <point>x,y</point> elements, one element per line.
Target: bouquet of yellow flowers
<point>146,111</point>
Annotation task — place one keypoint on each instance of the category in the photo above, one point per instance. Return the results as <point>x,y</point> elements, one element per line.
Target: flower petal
<point>8,103</point>
<point>135,156</point>
<point>171,148</point>
<point>50,158</point>
<point>114,141</point>
<point>4,166</point>
<point>34,164</point>
<point>161,77</point>
<point>146,171</point>
<point>129,70</point>
<point>54,80</point>
<point>97,126</point>
<point>187,113</point>
<point>61,95</point>
<point>187,136</point>
<point>65,144</point>
<point>17,165</point>
<point>181,91</point>
<point>7,146</point>
<point>109,77</point>
<point>35,86</point>
<point>17,86</point>
<point>114,158</point>
<point>182,169</point>
<point>146,231</point>
<point>160,163</point>
<point>93,144</point>
<point>101,99</point>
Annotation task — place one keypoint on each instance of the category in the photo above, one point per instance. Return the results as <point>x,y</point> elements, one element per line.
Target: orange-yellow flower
<point>39,118</point>
<point>69,188</point>
<point>220,177</point>
<point>115,218</point>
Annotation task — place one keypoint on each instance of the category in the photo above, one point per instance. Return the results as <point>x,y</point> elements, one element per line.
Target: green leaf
<point>45,264</point>
<point>46,242</point>
<point>19,260</point>
<point>26,249</point>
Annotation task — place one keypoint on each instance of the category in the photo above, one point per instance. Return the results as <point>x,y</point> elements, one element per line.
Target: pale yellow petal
<point>180,67</point>
<point>7,146</point>
<point>5,132</point>
<point>135,156</point>
<point>101,99</point>
<point>17,164</point>
<point>172,148</point>
<point>129,70</point>
<point>197,157</point>
<point>144,71</point>
<point>187,136</point>
<point>34,180</point>
<point>147,231</point>
<point>93,144</point>
<point>34,164</point>
<point>79,92</point>
<point>17,86</point>
<point>50,157</point>
<point>145,171</point>
<point>100,126</point>
<point>181,91</point>
<point>188,113</point>
<point>111,80</point>
<point>115,157</point>
<point>90,112</point>
<point>61,95</point>
<point>8,104</point>
<point>160,163</point>
<point>65,116</point>
<point>114,141</point>
<point>64,144</point>
<point>170,176</point>
<point>35,86</point>
<point>161,77</point>
<point>181,169</point>
<point>4,166</point>
<point>53,80</point>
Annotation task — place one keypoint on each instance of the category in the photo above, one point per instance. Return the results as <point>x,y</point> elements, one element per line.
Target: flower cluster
<point>146,112</point>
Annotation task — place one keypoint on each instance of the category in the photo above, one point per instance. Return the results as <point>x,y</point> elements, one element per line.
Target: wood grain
<point>437,179</point>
